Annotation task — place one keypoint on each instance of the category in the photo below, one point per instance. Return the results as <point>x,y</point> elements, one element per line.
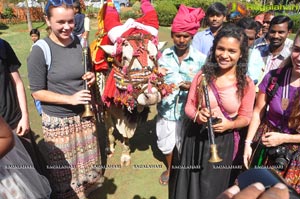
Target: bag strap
<point>43,44</point>
<point>236,135</point>
<point>46,50</point>
<point>214,90</point>
<point>274,83</point>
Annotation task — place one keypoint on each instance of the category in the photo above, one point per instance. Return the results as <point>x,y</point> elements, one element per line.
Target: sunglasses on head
<point>57,3</point>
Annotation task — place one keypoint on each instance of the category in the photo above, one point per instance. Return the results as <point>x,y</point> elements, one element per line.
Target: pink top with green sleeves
<point>231,103</point>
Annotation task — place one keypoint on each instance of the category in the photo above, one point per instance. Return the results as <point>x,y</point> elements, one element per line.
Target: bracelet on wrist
<point>248,142</point>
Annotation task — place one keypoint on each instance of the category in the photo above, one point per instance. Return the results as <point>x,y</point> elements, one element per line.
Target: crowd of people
<point>237,95</point>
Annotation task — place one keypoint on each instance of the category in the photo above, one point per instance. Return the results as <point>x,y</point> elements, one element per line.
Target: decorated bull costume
<point>134,81</point>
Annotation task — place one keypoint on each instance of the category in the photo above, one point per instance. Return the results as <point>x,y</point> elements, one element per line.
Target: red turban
<point>187,19</point>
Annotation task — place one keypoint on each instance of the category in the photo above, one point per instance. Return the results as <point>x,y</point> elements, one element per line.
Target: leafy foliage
<point>296,20</point>
<point>136,6</point>
<point>8,13</point>
<point>166,11</point>
<point>13,1</point>
<point>195,3</point>
<point>124,15</point>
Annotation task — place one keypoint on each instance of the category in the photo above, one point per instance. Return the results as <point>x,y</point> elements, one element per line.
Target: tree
<point>29,23</point>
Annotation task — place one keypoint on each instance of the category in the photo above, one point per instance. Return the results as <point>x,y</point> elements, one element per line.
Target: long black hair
<point>211,68</point>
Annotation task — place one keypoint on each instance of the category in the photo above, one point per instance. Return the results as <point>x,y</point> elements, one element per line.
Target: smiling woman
<point>228,53</point>
<point>278,131</point>
<point>231,93</point>
<point>71,140</point>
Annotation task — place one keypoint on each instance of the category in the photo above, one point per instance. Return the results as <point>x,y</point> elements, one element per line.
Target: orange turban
<point>187,19</point>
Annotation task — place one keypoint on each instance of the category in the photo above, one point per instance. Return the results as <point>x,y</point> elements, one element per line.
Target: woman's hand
<point>23,126</point>
<point>222,126</point>
<point>247,154</point>
<point>90,78</point>
<point>81,97</point>
<point>203,115</point>
<point>255,191</point>
<point>272,139</point>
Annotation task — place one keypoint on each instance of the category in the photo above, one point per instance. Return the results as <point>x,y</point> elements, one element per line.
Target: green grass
<point>124,183</point>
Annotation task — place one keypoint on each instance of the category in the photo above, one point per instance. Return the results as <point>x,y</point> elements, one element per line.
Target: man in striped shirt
<point>278,49</point>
